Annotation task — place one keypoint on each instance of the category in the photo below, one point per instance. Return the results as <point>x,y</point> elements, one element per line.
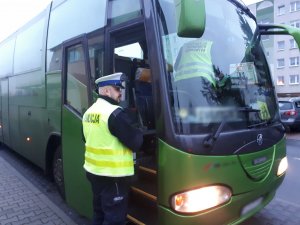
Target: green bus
<point>210,156</point>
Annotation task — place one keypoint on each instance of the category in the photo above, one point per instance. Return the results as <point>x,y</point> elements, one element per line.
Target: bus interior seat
<point>144,99</point>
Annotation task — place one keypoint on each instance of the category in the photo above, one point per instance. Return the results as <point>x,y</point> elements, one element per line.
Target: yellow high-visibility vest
<point>196,61</point>
<point>105,155</point>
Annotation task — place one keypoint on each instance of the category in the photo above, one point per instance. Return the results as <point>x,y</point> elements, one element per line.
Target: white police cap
<point>114,79</point>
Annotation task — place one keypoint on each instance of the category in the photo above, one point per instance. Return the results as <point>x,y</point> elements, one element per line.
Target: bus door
<point>129,54</point>
<point>4,123</point>
<point>76,100</point>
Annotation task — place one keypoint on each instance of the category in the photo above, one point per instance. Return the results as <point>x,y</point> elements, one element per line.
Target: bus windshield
<point>222,77</point>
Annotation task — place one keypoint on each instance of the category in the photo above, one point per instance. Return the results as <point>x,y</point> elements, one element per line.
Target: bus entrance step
<point>146,175</point>
<point>147,166</point>
<point>144,189</point>
<point>142,213</point>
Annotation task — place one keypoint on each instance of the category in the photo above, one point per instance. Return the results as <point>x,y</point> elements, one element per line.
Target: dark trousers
<point>110,199</point>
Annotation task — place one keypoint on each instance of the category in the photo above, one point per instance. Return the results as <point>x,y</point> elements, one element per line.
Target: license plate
<point>252,205</point>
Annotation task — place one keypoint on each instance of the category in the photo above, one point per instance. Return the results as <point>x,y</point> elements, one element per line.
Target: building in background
<point>282,51</point>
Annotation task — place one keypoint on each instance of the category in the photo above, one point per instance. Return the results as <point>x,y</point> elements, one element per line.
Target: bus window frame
<point>126,29</point>
<point>83,41</point>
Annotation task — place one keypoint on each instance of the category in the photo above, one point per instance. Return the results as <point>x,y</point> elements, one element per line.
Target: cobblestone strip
<point>22,203</point>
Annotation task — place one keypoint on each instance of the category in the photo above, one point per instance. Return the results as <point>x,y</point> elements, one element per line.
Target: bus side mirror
<point>271,29</point>
<point>190,16</point>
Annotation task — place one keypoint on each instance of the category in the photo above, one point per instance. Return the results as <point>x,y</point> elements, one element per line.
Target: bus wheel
<point>58,173</point>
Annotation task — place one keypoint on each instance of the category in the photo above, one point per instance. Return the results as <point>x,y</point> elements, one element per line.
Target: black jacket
<point>120,125</point>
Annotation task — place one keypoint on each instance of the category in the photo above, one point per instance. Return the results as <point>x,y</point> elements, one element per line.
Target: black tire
<point>58,172</point>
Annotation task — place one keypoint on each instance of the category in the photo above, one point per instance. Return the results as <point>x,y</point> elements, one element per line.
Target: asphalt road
<point>290,189</point>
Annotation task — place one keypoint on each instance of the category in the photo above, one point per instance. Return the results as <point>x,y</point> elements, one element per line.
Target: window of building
<point>294,79</point>
<point>281,10</point>
<point>280,45</point>
<point>295,6</point>
<point>294,61</point>
<point>280,80</point>
<point>295,23</point>
<point>265,37</point>
<point>265,21</point>
<point>280,63</point>
<point>74,55</point>
<point>293,43</point>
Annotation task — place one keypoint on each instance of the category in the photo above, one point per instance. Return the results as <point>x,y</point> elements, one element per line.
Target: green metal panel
<point>77,187</point>
<point>194,171</point>
<point>53,101</point>
<point>28,89</point>
<point>28,115</point>
<point>32,134</point>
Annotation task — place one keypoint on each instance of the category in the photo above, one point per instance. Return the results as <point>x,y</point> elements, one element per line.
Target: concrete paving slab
<point>22,203</point>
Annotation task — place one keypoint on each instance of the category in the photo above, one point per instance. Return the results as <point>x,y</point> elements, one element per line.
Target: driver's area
<point>130,56</point>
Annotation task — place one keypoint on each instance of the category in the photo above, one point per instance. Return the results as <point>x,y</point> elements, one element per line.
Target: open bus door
<point>128,53</point>
<point>76,100</point>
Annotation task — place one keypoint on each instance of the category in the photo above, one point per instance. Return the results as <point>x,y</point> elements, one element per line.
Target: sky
<point>15,13</point>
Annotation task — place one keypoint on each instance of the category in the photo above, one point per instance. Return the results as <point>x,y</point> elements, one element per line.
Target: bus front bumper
<point>238,209</point>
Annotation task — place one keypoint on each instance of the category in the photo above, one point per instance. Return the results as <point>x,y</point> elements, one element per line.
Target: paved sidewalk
<point>21,203</point>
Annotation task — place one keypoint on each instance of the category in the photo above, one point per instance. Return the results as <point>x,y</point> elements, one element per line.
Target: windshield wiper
<point>214,136</point>
<point>248,109</point>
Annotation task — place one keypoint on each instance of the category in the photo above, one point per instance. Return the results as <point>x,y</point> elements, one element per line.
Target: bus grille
<point>260,171</point>
<point>258,165</point>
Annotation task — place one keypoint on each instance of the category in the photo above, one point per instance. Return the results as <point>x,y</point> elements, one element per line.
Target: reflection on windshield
<point>219,74</point>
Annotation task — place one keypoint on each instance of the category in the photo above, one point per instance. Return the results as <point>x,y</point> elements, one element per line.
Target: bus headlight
<point>200,199</point>
<point>283,165</point>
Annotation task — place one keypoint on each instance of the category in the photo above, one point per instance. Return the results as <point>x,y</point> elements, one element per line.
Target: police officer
<point>110,143</point>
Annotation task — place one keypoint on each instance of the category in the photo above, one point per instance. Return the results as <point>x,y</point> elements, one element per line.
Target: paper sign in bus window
<point>242,74</point>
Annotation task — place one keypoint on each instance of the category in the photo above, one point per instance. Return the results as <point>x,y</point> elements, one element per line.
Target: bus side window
<point>96,58</point>
<point>76,90</point>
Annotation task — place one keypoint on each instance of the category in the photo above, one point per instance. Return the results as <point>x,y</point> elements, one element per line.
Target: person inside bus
<point>193,72</point>
<point>110,143</point>
<point>144,98</point>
